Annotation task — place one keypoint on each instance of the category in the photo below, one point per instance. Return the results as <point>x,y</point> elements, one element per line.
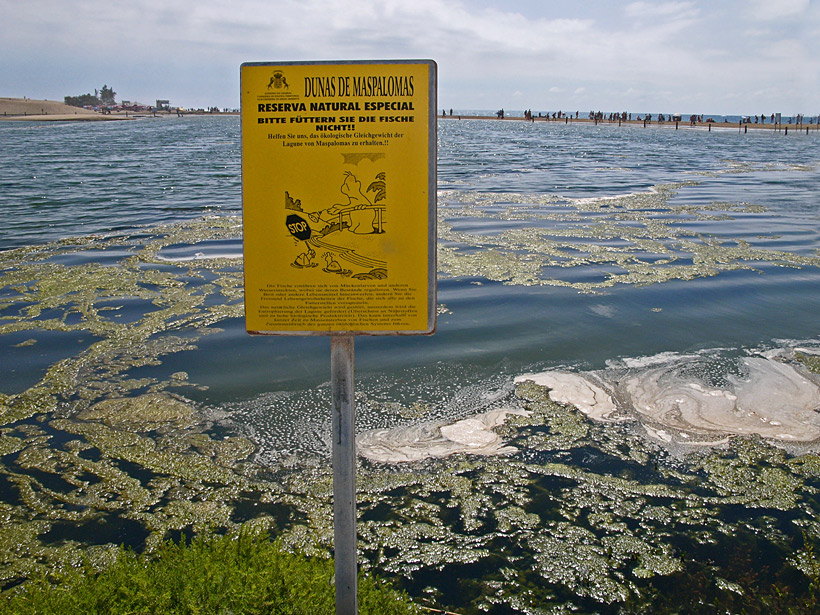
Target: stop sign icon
<point>298,227</point>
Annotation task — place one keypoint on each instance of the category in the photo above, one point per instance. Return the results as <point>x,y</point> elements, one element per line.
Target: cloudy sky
<point>697,56</point>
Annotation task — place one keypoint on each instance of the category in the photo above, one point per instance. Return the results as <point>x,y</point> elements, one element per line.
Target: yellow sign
<point>339,193</point>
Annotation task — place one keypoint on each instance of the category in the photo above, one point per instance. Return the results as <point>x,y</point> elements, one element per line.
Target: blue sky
<point>718,56</point>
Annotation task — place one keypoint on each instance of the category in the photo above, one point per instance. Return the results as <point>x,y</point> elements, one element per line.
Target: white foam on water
<point>773,400</point>
<point>656,359</point>
<point>677,399</point>
<point>471,435</point>
<point>606,311</point>
<point>594,200</point>
<point>198,256</point>
<point>578,390</point>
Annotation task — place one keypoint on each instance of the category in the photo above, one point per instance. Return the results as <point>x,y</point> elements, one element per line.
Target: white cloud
<point>488,50</point>
<point>777,9</point>
<point>650,10</point>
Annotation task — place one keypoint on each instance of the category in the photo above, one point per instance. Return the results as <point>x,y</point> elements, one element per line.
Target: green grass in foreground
<point>229,575</point>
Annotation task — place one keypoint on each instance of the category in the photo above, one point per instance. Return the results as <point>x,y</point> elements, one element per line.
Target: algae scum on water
<point>558,513</point>
<point>594,244</point>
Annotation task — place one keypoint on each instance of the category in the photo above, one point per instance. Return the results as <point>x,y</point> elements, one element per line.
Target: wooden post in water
<point>344,472</point>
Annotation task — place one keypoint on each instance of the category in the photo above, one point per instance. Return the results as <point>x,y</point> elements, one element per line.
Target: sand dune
<point>46,110</point>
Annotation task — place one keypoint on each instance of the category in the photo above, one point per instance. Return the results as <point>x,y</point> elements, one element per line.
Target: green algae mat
<point>575,516</point>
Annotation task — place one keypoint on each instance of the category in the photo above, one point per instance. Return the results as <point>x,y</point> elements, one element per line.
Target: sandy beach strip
<point>27,109</point>
<point>681,124</point>
<point>31,110</point>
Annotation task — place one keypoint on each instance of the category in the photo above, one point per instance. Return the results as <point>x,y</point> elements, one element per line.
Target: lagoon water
<point>560,245</point>
<point>680,260</point>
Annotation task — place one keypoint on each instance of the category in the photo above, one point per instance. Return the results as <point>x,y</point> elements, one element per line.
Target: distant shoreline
<point>30,110</point>
<point>27,109</point>
<point>680,124</point>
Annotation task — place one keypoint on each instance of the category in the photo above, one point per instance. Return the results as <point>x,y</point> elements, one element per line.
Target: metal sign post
<point>339,226</point>
<point>344,472</point>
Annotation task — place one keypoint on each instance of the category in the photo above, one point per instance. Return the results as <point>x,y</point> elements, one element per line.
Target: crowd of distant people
<point>600,116</point>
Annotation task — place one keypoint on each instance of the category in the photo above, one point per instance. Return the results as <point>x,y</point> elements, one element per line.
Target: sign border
<point>432,192</point>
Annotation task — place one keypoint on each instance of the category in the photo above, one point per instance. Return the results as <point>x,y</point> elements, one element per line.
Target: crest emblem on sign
<point>278,81</point>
